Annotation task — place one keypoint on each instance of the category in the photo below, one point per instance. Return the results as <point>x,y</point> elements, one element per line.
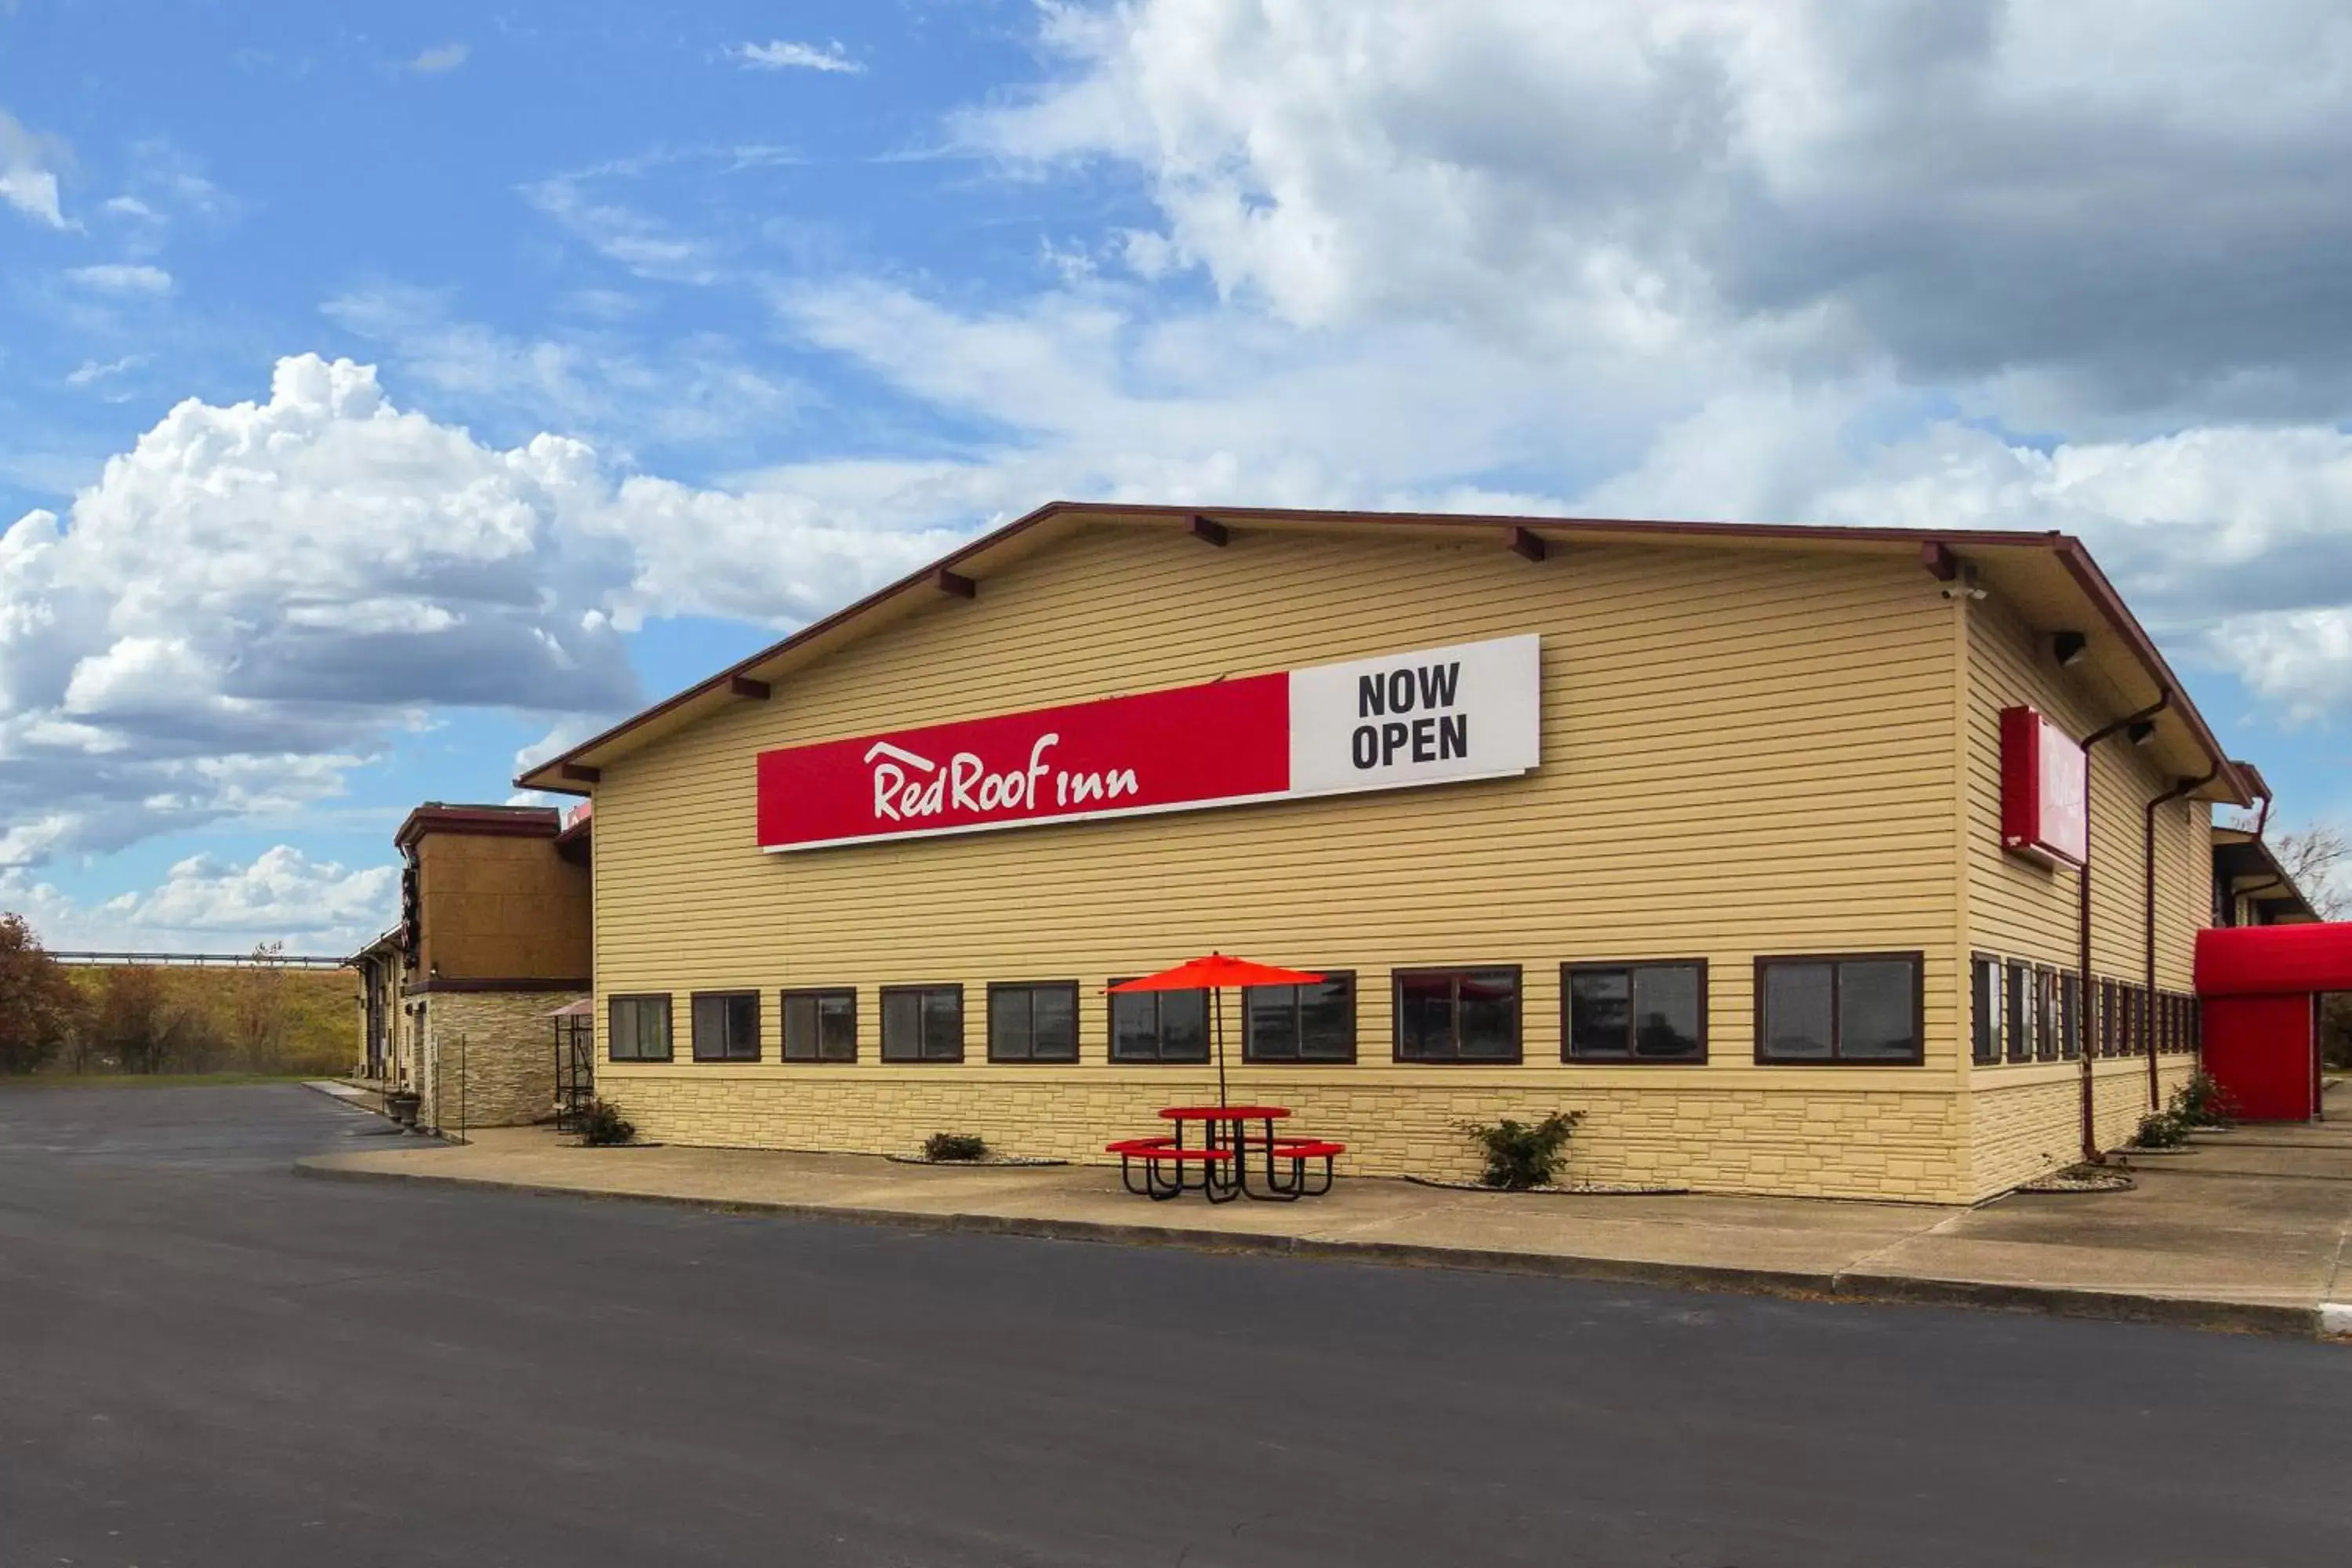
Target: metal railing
<point>198,959</point>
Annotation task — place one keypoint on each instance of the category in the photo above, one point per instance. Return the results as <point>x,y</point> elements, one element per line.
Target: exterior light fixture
<point>2068,647</point>
<point>2141,734</point>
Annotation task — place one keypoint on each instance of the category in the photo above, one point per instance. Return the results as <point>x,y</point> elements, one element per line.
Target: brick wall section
<point>1818,1141</point>
<point>2025,1127</point>
<point>505,1075</point>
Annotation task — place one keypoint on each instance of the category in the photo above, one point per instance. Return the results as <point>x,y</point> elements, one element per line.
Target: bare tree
<point>261,1014</point>
<point>39,1008</point>
<point>2318,858</point>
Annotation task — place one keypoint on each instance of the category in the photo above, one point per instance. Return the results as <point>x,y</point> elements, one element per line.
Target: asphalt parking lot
<point>207,1360</point>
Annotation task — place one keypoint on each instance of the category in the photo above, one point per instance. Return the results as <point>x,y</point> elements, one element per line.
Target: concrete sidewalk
<point>2249,1230</point>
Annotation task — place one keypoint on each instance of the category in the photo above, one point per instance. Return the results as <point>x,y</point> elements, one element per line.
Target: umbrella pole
<point>1217,999</point>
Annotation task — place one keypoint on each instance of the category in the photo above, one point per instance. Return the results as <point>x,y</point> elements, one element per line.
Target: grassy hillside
<point>152,1019</point>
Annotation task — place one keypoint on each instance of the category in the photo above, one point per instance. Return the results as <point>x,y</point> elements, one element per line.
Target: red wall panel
<point>2263,1052</point>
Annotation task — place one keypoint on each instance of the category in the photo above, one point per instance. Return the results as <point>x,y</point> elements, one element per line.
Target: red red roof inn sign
<point>1427,716</point>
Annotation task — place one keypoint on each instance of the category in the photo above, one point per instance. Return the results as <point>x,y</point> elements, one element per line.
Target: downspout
<point>2180,789</point>
<point>2086,1006</point>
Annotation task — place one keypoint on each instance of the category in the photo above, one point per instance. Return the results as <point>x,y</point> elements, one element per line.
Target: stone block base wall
<point>488,1058</point>
<point>1816,1140</point>
<point>2029,1124</point>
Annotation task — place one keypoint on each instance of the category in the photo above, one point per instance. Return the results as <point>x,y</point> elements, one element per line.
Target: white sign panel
<point>1474,710</point>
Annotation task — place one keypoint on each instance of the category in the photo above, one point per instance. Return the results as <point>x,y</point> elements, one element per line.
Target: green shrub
<point>955,1146</point>
<point>1520,1157</point>
<point>2161,1130</point>
<point>601,1125</point>
<point>2201,1102</point>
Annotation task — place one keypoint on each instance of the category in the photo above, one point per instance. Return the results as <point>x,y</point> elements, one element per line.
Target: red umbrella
<point>1218,972</point>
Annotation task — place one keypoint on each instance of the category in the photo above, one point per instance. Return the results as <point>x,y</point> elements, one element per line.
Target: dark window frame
<point>2017,1011</point>
<point>1916,958</point>
<point>1398,976</point>
<point>694,1035</point>
<point>1004,988</point>
<point>819,994</point>
<point>1985,1009</point>
<point>1250,1053</point>
<point>922,1058</point>
<point>2045,1013</point>
<point>1626,967</point>
<point>2070,1016</point>
<point>1159,1058</point>
<point>669,1029</point>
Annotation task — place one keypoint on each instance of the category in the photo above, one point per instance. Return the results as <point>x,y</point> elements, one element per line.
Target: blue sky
<point>469,378</point>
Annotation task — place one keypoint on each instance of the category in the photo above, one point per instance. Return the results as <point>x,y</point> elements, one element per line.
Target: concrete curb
<point>2238,1316</point>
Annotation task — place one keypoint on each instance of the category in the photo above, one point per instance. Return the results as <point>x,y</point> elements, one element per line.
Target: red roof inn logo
<point>1429,717</point>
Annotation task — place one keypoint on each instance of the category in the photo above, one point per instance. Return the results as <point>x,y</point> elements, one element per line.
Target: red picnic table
<point>1223,1157</point>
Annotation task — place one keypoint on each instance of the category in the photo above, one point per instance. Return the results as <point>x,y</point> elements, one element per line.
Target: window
<point>638,1029</point>
<point>1300,1022</point>
<point>2045,1015</point>
<point>1864,1009</point>
<point>1984,1009</point>
<point>2070,1016</point>
<point>2110,1023</point>
<point>1158,1025</point>
<point>1634,1012</point>
<point>1035,1021</point>
<point>1457,1015</point>
<point>922,1023</point>
<point>821,1026</point>
<point>2021,1012</point>
<point>727,1026</point>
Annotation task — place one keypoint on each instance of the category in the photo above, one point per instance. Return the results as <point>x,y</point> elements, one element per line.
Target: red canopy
<point>1218,972</point>
<point>2255,961</point>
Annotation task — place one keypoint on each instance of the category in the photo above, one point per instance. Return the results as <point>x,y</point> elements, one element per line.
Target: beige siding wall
<point>2024,1117</point>
<point>2028,1120</point>
<point>1746,753</point>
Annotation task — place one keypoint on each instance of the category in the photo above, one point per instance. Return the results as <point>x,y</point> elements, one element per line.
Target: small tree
<point>133,1025</point>
<point>39,1008</point>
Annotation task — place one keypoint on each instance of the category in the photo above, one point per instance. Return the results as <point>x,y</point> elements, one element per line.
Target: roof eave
<point>550,774</point>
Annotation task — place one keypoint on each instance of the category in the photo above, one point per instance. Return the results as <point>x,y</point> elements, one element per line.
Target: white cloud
<point>258,597</point>
<point>595,204</point>
<point>28,179</point>
<point>89,373</point>
<point>440,57</point>
<point>122,278</point>
<point>783,56</point>
<point>206,905</point>
<point>696,389</point>
<point>2093,203</point>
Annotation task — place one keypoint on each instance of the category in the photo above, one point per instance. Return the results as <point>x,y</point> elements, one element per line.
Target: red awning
<point>2271,961</point>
